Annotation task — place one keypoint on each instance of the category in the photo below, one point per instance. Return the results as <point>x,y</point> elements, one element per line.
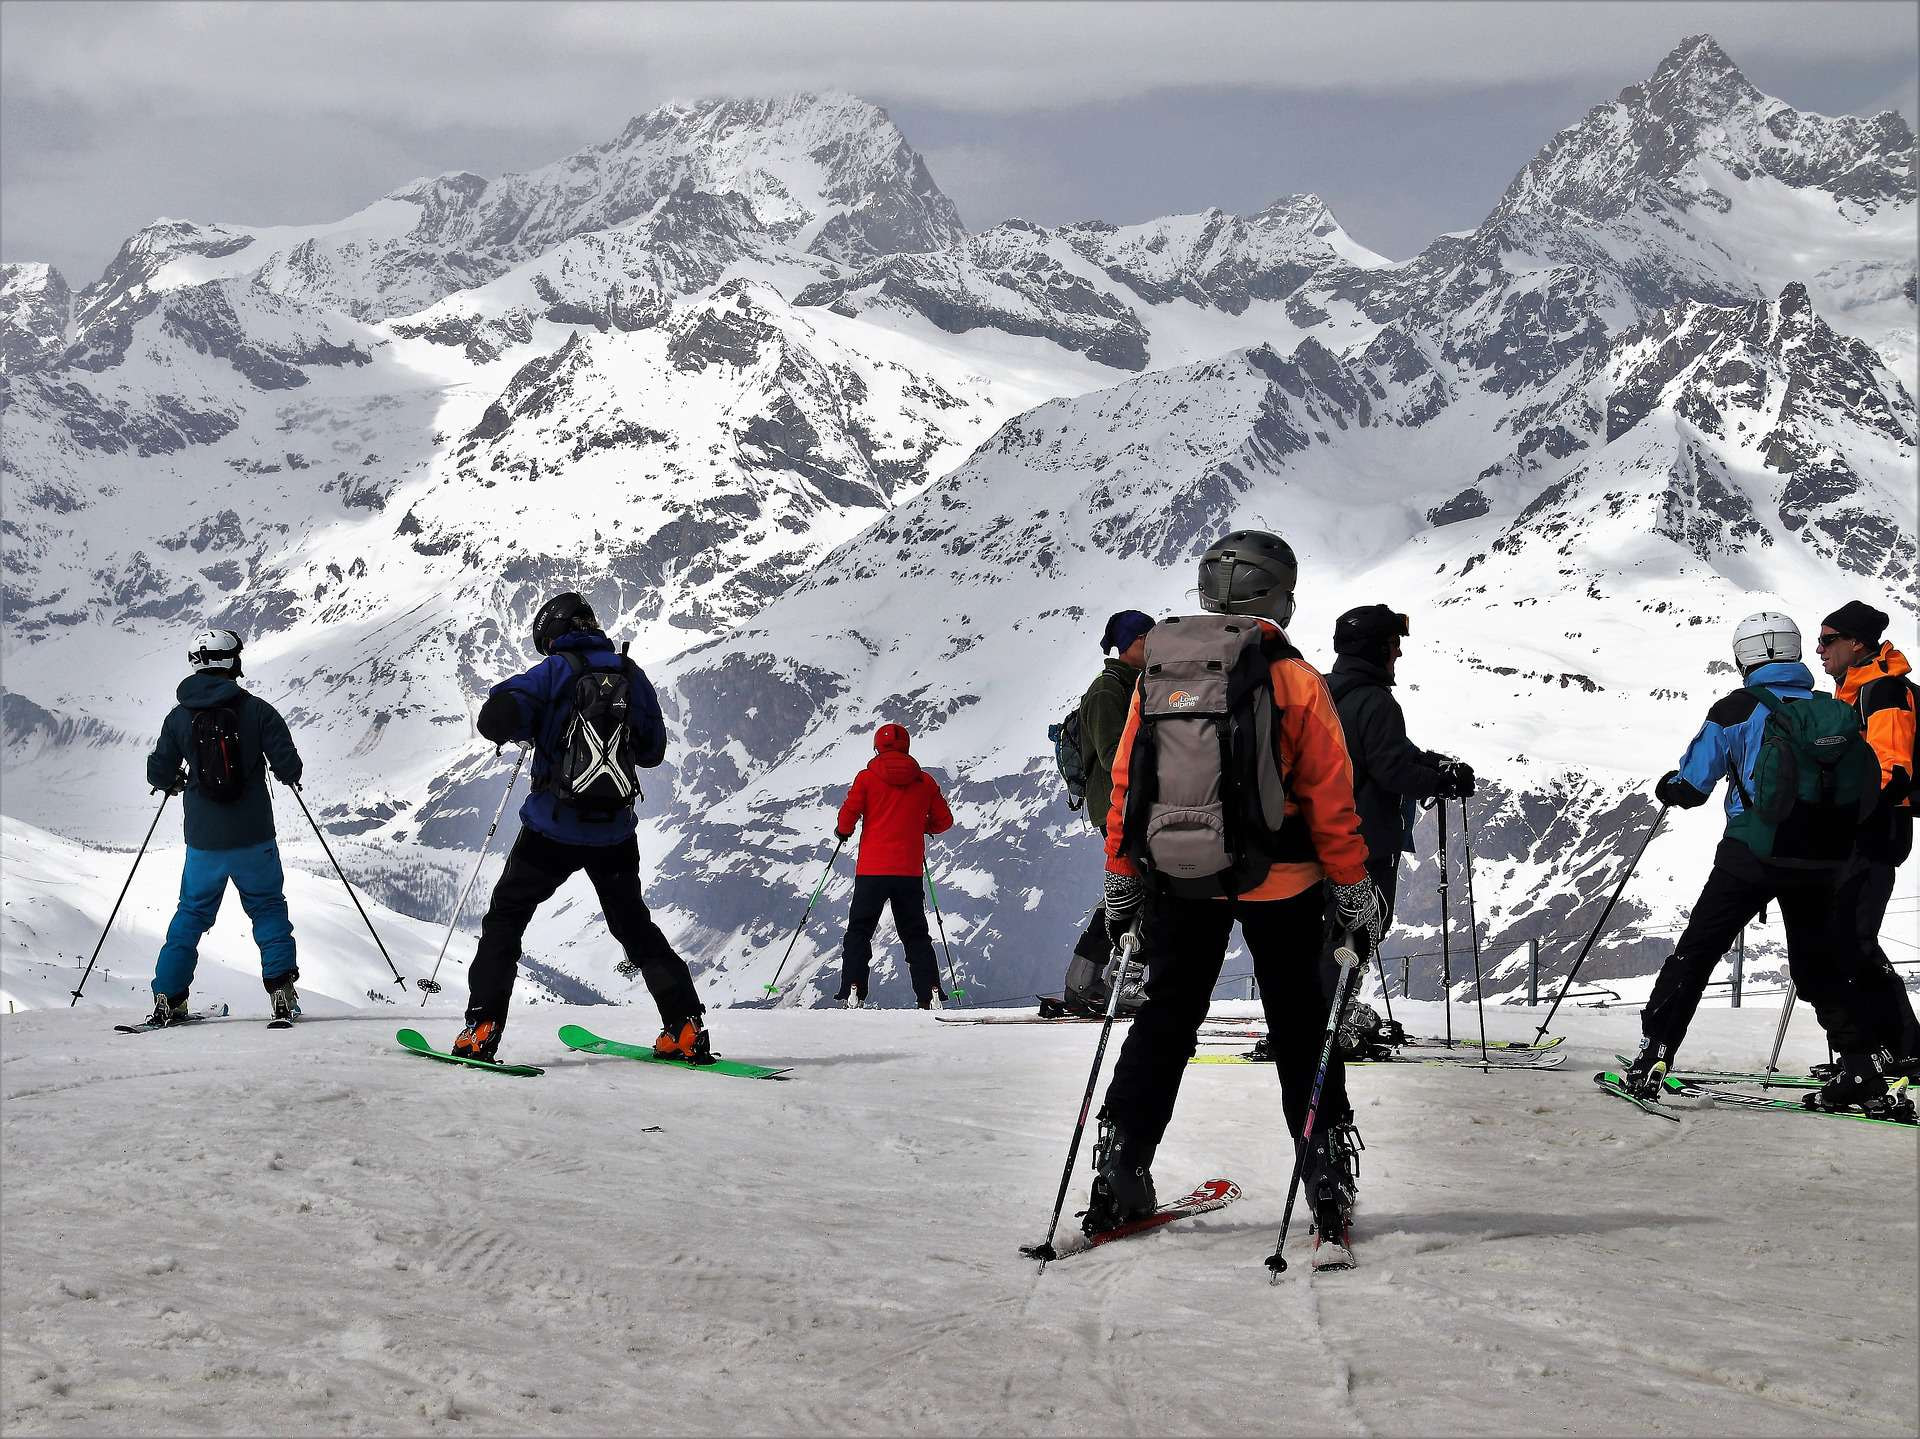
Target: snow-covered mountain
<point>740,377</point>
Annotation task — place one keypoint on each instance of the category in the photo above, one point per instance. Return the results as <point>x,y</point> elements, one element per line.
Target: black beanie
<point>1858,621</point>
<point>1368,632</point>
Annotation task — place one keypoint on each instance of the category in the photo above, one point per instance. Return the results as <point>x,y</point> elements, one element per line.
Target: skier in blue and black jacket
<point>215,749</point>
<point>1820,942</point>
<point>592,717</point>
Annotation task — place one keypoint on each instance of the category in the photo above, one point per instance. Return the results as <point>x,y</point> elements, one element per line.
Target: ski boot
<point>168,1009</point>
<point>480,1039</point>
<point>856,1000</point>
<point>1859,1084</point>
<point>1364,1035</point>
<point>1649,1067</point>
<point>685,1039</point>
<point>285,1001</point>
<point>1262,1051</point>
<point>1122,1181</point>
<point>1335,1194</point>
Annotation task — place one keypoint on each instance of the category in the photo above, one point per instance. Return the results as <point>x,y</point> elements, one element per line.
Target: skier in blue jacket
<point>215,748</point>
<point>591,716</point>
<point>1820,944</point>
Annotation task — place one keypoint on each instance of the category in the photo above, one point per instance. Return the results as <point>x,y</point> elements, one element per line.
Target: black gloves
<point>1456,779</point>
<point>499,718</point>
<point>1123,896</point>
<point>176,785</point>
<point>1674,791</point>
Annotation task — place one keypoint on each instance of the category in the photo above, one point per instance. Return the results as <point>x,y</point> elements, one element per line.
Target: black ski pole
<point>397,978</point>
<point>165,795</point>
<point>773,985</point>
<point>953,985</point>
<point>1348,957</point>
<point>1600,924</point>
<point>1473,929</point>
<point>1129,943</point>
<point>1780,1034</point>
<point>1446,954</point>
<point>431,984</point>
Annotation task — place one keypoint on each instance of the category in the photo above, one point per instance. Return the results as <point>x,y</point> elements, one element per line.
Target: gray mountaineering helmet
<point>560,615</point>
<point>217,651</point>
<point>1249,572</point>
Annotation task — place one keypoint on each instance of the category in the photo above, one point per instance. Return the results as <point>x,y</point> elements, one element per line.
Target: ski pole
<point>1129,943</point>
<point>165,795</point>
<point>1600,923</point>
<point>1473,930</point>
<point>1780,1034</point>
<point>397,978</point>
<point>953,985</point>
<point>1446,955</point>
<point>430,985</point>
<point>773,986</point>
<point>1346,954</point>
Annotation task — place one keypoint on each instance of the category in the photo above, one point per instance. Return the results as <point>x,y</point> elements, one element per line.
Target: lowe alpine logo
<point>1182,700</point>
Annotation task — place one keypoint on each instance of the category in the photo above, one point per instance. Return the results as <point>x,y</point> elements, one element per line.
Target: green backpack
<point>1815,780</point>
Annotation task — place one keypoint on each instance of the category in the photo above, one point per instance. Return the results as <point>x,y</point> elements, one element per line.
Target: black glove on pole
<point>773,985</point>
<point>397,979</point>
<point>1127,946</point>
<point>1347,952</point>
<point>1446,952</point>
<point>430,986</point>
<point>165,795</point>
<point>1600,923</point>
<point>1473,930</point>
<point>953,986</point>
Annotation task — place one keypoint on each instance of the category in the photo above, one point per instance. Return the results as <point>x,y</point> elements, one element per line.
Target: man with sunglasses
<point>1820,942</point>
<point>1874,677</point>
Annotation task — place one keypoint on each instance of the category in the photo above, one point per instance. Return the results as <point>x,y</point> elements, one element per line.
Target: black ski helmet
<point>560,615</point>
<point>1249,572</point>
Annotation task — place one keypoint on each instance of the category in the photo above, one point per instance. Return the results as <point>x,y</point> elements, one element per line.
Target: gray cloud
<point>112,114</point>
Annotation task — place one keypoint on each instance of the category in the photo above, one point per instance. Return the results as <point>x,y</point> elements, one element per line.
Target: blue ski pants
<point>255,872</point>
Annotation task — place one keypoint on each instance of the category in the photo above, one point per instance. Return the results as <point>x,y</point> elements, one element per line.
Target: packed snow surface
<point>224,1229</point>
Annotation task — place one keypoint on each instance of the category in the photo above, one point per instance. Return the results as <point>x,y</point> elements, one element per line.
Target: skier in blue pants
<point>216,747</point>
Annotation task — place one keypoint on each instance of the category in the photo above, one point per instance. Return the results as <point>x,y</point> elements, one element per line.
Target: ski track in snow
<point>230,1230</point>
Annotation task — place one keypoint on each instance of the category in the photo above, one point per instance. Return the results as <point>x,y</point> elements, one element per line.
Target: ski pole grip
<point>1346,950</point>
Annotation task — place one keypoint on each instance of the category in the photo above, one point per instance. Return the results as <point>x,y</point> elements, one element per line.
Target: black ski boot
<point>168,1009</point>
<point>1856,1084</point>
<point>1363,1035</point>
<point>1334,1191</point>
<point>1261,1053</point>
<point>1122,1181</point>
<point>1649,1067</point>
<point>480,1039</point>
<point>286,1003</point>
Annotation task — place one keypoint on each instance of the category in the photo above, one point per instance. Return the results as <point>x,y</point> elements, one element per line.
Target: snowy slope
<point>230,1230</point>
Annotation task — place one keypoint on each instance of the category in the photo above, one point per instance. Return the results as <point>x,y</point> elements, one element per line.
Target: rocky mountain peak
<point>36,309</point>
<point>1697,79</point>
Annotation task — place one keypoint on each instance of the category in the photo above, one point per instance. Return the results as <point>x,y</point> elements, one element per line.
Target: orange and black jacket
<point>1882,690</point>
<point>1313,757</point>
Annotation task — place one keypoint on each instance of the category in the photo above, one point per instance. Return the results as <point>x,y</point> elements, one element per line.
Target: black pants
<point>1880,994</point>
<point>1821,947</point>
<point>871,895</point>
<point>1185,943</point>
<point>536,867</point>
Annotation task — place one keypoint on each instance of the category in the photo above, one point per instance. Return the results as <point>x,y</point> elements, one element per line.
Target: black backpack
<point>1068,757</point>
<point>219,772</point>
<point>593,772</point>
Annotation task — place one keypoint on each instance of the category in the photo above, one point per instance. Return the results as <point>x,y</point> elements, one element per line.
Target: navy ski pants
<point>872,894</point>
<point>255,872</point>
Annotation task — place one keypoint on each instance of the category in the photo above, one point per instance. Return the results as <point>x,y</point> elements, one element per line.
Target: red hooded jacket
<point>900,805</point>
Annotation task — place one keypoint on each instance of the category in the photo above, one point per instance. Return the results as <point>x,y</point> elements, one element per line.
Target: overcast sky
<point>1409,119</point>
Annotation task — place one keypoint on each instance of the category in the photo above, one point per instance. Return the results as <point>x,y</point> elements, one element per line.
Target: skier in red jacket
<point>900,805</point>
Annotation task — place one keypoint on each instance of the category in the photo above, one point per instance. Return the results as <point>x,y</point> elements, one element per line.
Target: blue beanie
<point>1124,628</point>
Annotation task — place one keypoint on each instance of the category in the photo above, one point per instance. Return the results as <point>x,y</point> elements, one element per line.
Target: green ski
<point>1616,1086</point>
<point>1675,1085</point>
<point>1775,1080</point>
<point>416,1042</point>
<point>586,1041</point>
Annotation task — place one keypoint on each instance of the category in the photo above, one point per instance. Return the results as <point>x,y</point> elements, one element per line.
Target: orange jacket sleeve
<point>939,817</point>
<point>1117,806</point>
<point>1313,752</point>
<point>1890,732</point>
<point>855,806</point>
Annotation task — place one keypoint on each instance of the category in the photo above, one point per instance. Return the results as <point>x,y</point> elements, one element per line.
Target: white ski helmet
<point>216,650</point>
<point>1763,637</point>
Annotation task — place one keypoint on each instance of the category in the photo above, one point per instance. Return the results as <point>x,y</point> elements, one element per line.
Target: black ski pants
<point>1880,993</point>
<point>1185,942</point>
<point>872,893</point>
<point>536,867</point>
<point>1821,947</point>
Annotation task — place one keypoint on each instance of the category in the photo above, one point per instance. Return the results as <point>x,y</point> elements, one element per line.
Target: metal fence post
<point>1533,972</point>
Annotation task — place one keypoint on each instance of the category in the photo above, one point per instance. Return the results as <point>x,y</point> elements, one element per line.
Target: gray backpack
<point>1206,798</point>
